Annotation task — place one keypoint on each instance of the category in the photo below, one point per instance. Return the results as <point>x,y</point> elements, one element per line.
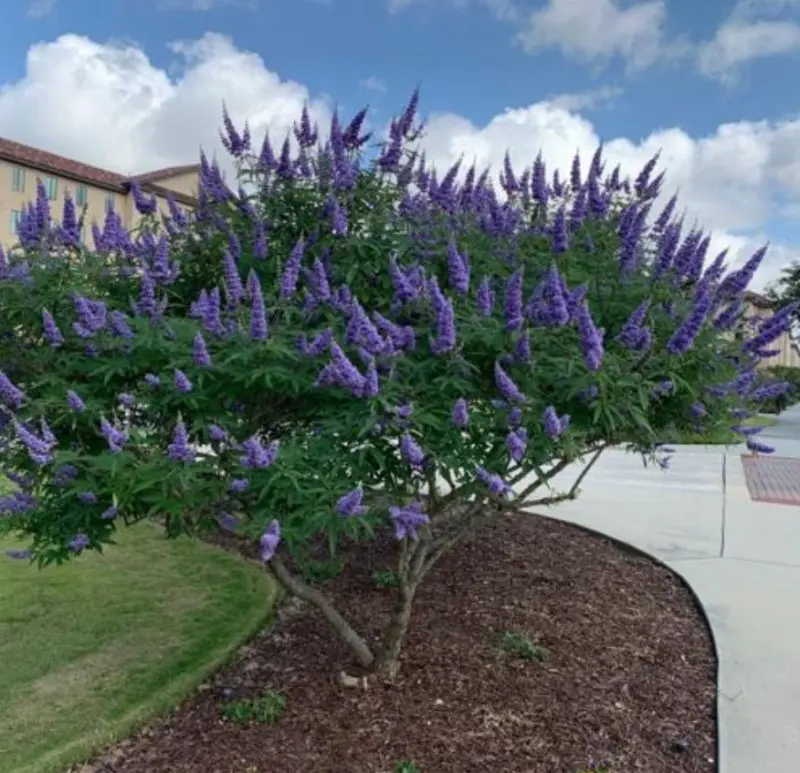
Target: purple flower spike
<point>257,456</point>
<point>591,339</point>
<point>239,485</point>
<point>507,387</point>
<point>258,313</point>
<point>269,541</point>
<point>52,334</point>
<point>350,504</point>
<point>291,272</point>
<point>10,394</point>
<point>757,447</point>
<point>109,514</point>
<point>233,281</point>
<point>74,402</point>
<point>517,443</point>
<point>458,269</point>
<point>79,543</point>
<point>217,433</point>
<point>513,301</point>
<point>115,438</point>
<point>408,520</point>
<point>496,485</point>
<point>461,413</point>
<point>182,383</point>
<point>485,298</point>
<point>411,451</point>
<point>552,424</point>
<point>180,450</point>
<point>201,356</point>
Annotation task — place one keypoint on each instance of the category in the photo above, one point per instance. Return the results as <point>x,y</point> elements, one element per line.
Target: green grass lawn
<point>723,437</point>
<point>90,650</point>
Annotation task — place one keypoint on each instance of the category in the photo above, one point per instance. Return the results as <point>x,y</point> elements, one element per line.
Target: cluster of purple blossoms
<point>351,504</point>
<point>257,456</point>
<point>269,541</point>
<point>10,394</point>
<point>496,485</point>
<point>180,450</point>
<point>39,446</point>
<point>115,438</point>
<point>554,425</point>
<point>461,413</point>
<point>634,334</point>
<point>408,520</point>
<point>663,389</point>
<point>411,451</point>
<point>517,442</point>
<point>508,389</point>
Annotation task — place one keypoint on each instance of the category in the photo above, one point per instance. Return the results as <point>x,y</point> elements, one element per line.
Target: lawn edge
<point>90,746</point>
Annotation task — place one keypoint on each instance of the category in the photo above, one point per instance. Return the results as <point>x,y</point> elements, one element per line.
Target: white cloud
<point>118,110</point>
<point>738,41</point>
<point>727,181</point>
<point>598,30</point>
<point>204,5</point>
<point>39,9</point>
<point>585,100</point>
<point>373,84</point>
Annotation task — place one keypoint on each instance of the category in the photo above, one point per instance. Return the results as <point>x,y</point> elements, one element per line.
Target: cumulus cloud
<point>118,110</point>
<point>727,181</point>
<point>738,41</point>
<point>598,30</point>
<point>373,83</point>
<point>586,100</point>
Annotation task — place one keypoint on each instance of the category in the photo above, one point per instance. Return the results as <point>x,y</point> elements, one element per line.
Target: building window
<point>81,195</point>
<point>110,203</point>
<point>18,179</point>
<point>15,214</point>
<point>51,186</point>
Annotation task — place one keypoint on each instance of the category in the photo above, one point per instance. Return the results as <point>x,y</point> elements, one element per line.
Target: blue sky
<point>709,82</point>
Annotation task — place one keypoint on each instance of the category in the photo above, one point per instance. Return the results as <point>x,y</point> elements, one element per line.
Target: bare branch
<point>306,592</point>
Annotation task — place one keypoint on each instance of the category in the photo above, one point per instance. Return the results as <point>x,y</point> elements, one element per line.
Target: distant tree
<point>786,289</point>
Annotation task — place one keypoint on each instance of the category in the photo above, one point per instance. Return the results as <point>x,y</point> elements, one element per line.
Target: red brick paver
<point>774,479</point>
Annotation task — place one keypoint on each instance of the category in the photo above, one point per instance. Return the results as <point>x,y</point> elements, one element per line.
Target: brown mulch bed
<point>629,683</point>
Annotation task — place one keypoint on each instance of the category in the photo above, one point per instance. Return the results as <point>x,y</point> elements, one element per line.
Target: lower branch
<point>304,591</point>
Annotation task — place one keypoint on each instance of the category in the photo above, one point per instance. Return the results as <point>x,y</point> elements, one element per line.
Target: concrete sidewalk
<point>742,558</point>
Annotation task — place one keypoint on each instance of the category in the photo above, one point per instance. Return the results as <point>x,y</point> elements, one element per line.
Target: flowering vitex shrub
<point>342,346</point>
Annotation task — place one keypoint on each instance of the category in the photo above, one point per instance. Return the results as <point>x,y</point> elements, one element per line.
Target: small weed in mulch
<point>385,579</point>
<point>519,645</point>
<point>266,709</point>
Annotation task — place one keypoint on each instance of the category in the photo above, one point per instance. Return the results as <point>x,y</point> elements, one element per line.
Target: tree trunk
<point>388,664</point>
<point>303,591</point>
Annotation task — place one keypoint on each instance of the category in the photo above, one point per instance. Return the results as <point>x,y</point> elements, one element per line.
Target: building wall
<point>97,199</point>
<point>186,183</point>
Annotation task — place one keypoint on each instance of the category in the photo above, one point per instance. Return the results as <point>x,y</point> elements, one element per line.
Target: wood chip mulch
<point>628,685</point>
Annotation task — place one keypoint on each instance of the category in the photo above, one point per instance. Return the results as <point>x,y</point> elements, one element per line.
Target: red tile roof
<point>25,155</point>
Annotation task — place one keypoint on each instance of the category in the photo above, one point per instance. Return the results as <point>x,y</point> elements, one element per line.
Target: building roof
<point>25,155</point>
<point>758,300</point>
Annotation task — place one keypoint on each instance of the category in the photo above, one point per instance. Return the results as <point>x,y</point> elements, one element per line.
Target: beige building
<point>92,188</point>
<point>789,356</point>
